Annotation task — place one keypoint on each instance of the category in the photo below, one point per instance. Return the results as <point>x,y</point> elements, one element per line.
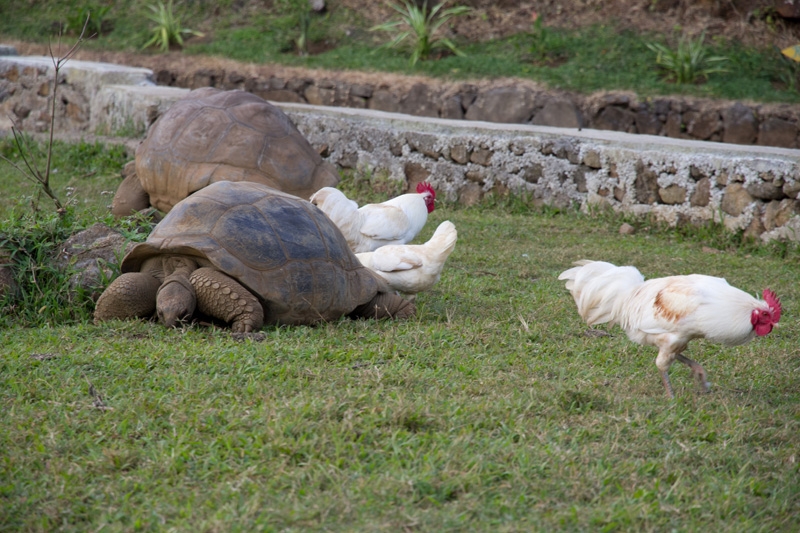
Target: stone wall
<point>677,181</point>
<point>751,188</point>
<point>518,102</point>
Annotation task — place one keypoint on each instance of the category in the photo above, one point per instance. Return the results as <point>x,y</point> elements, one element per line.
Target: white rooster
<point>669,312</point>
<point>413,268</point>
<point>396,221</point>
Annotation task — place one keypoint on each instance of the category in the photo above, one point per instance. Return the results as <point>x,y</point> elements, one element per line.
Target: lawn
<point>493,409</point>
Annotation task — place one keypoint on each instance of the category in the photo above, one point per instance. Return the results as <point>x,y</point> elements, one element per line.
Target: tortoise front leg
<point>220,296</point>
<point>385,305</point>
<point>131,295</point>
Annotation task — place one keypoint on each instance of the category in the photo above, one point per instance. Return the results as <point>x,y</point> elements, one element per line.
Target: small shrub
<point>300,12</point>
<point>548,46</point>
<point>689,62</point>
<point>93,16</point>
<point>168,30</point>
<point>420,27</point>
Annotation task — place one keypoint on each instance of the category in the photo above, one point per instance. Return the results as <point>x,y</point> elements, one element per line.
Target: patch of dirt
<point>752,22</point>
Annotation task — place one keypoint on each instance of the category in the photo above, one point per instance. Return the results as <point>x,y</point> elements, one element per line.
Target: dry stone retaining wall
<point>752,188</point>
<point>520,102</point>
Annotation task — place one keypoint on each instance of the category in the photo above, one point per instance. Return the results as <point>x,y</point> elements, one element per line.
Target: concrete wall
<point>749,188</point>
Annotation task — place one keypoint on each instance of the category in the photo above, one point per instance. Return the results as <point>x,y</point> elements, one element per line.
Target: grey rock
<point>704,125</point>
<point>423,143</point>
<point>778,213</point>
<point>361,89</point>
<point>559,113</point>
<point>470,194</point>
<point>646,184</point>
<point>87,256</point>
<point>415,173</point>
<point>777,132</point>
<point>384,100</point>
<point>672,195</point>
<point>533,173</point>
<point>452,109</point>
<point>614,118</point>
<point>765,190</point>
<point>481,156</point>
<point>701,195</point>
<point>739,124</point>
<point>460,154</point>
<point>647,123</point>
<point>735,199</point>
<point>503,104</point>
<point>420,101</point>
<point>592,159</point>
<point>792,188</point>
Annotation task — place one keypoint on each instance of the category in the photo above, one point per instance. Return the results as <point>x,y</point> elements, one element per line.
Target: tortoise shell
<point>212,135</point>
<point>280,247</point>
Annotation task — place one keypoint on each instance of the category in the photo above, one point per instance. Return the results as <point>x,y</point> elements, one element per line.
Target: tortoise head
<point>176,299</point>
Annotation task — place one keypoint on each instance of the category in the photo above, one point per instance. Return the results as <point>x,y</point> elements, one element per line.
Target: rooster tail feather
<point>443,239</point>
<point>335,204</point>
<point>600,289</point>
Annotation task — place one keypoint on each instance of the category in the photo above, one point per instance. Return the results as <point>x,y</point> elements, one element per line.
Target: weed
<point>420,28</point>
<point>28,167</point>
<point>548,46</point>
<point>300,12</point>
<point>689,62</point>
<point>94,16</point>
<point>168,29</point>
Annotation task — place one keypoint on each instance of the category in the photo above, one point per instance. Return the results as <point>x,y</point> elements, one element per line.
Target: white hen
<point>669,312</point>
<point>396,221</point>
<point>413,268</point>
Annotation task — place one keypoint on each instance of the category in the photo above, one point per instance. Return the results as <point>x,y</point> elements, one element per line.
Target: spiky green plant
<point>689,62</point>
<point>167,29</point>
<point>300,11</point>
<point>419,26</point>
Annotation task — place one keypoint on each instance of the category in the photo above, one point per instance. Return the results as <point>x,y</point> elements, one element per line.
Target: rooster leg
<point>664,360</point>
<point>667,384</point>
<point>697,370</point>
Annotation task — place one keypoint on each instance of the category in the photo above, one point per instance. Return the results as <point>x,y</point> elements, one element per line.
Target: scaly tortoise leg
<point>131,295</point>
<point>385,305</point>
<point>219,296</point>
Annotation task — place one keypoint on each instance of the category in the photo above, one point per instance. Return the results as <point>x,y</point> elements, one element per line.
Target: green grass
<point>580,59</point>
<point>490,410</point>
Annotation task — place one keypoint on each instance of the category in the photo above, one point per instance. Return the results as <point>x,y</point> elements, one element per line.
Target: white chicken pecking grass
<point>396,221</point>
<point>671,311</point>
<point>413,268</point>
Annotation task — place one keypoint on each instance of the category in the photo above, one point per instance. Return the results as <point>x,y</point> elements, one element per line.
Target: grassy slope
<point>491,409</point>
<point>584,59</point>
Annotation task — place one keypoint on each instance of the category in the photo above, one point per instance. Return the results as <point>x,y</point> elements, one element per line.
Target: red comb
<point>424,186</point>
<point>774,304</point>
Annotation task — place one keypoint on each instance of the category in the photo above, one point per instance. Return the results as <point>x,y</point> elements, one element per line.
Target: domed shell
<point>212,135</point>
<point>282,248</point>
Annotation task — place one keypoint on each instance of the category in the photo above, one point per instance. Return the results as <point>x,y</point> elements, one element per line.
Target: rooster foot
<point>698,372</point>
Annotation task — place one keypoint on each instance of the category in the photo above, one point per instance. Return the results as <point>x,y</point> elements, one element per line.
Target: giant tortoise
<point>246,254</point>
<point>212,135</point>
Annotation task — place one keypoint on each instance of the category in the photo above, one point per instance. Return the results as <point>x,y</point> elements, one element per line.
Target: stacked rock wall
<point>677,181</point>
<point>518,102</point>
<point>750,188</point>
